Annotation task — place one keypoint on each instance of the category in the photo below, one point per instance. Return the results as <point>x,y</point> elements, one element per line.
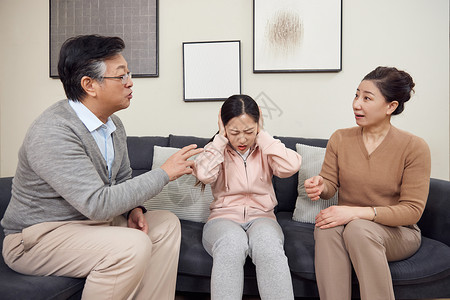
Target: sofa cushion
<point>17,286</point>
<point>306,210</point>
<point>194,260</point>
<point>140,152</point>
<point>419,268</point>
<point>193,257</point>
<point>182,197</point>
<point>298,245</point>
<point>286,188</point>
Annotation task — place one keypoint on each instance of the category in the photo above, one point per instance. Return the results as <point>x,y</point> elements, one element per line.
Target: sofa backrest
<point>5,193</point>
<point>140,151</point>
<point>435,220</point>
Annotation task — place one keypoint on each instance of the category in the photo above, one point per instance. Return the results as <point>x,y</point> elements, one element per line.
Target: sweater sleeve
<point>124,173</point>
<point>208,163</point>
<point>413,190</point>
<point>330,168</point>
<point>284,162</point>
<point>69,171</point>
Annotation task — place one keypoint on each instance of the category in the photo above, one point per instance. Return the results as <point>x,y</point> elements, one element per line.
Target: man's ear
<point>89,85</point>
<point>392,106</point>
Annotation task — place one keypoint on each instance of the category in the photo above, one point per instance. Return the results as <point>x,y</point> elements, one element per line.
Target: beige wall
<point>410,34</point>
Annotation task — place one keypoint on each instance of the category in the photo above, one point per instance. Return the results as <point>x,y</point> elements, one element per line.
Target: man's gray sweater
<point>62,175</point>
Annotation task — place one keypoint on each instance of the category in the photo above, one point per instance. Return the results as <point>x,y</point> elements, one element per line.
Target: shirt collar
<point>88,118</point>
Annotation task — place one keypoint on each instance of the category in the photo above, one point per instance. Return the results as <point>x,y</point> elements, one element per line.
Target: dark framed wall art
<point>135,21</point>
<point>211,70</point>
<point>297,36</point>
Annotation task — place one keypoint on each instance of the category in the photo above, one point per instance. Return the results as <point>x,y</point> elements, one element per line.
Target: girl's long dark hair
<point>236,106</point>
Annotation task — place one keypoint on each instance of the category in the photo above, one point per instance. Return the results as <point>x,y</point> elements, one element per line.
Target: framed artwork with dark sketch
<point>136,22</point>
<point>211,70</point>
<point>297,36</point>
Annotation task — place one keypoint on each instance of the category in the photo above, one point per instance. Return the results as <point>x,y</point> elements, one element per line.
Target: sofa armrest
<point>5,194</point>
<point>435,221</point>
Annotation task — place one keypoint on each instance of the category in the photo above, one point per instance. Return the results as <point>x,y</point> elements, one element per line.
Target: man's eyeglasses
<point>124,77</point>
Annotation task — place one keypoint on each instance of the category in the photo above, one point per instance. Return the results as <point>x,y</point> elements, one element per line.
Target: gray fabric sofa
<point>424,275</point>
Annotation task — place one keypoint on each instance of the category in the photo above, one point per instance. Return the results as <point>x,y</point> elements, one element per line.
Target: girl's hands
<point>261,121</point>
<point>221,126</point>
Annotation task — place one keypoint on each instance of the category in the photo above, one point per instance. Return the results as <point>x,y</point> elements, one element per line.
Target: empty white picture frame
<point>211,70</point>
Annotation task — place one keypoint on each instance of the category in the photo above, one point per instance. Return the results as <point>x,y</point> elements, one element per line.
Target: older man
<point>75,210</point>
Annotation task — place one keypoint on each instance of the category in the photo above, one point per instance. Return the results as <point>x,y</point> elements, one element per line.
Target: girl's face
<point>370,107</point>
<point>241,132</point>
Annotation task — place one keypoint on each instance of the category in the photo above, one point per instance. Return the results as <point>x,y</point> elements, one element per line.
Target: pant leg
<point>332,264</point>
<point>159,280</point>
<point>370,246</point>
<point>266,248</point>
<point>113,259</point>
<point>226,241</point>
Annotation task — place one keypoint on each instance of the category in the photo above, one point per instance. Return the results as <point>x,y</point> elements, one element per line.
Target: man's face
<point>112,94</point>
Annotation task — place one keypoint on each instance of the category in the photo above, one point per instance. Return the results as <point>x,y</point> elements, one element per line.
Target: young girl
<point>239,163</point>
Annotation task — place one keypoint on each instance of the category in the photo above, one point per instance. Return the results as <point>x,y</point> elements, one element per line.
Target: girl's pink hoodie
<point>243,190</point>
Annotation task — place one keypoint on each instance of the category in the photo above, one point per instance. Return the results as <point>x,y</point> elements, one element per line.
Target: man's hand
<point>136,219</point>
<point>178,164</point>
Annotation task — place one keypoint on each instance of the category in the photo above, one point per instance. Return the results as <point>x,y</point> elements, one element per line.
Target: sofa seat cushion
<point>194,260</point>
<point>18,286</point>
<point>298,245</point>
<point>419,268</point>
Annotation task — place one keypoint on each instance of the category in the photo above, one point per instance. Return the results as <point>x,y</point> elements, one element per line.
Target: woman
<point>383,178</point>
<point>239,164</point>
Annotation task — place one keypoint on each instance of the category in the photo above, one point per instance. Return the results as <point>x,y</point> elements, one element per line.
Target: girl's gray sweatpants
<point>229,243</point>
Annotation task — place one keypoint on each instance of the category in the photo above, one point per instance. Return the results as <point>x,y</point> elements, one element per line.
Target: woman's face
<point>241,132</point>
<point>370,106</point>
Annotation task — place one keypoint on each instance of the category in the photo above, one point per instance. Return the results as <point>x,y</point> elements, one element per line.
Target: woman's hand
<point>314,187</point>
<point>222,130</point>
<point>340,215</point>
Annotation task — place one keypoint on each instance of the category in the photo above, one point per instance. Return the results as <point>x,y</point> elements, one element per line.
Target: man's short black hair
<point>84,55</point>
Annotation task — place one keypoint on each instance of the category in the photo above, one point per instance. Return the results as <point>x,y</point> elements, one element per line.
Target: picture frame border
<point>238,77</point>
<point>297,69</point>
<point>54,55</point>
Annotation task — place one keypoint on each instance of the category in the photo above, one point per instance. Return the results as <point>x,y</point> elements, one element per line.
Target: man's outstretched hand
<point>178,164</point>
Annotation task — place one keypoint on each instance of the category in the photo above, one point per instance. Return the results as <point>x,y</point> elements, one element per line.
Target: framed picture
<point>211,70</point>
<point>297,36</point>
<point>136,22</point>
